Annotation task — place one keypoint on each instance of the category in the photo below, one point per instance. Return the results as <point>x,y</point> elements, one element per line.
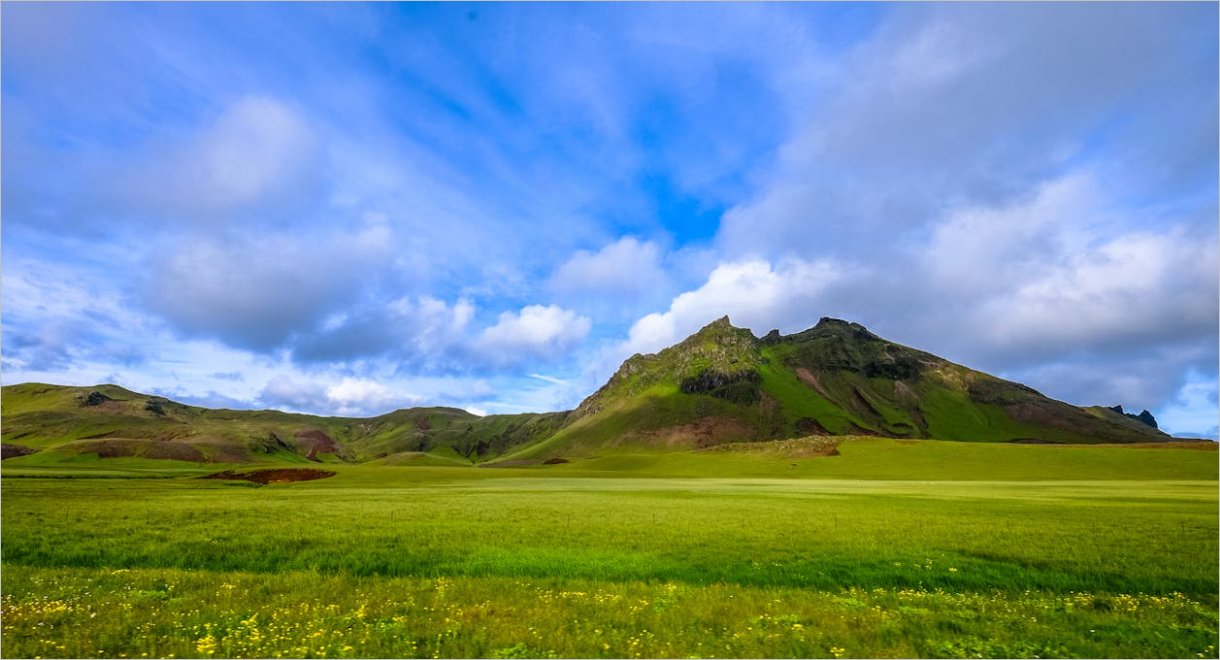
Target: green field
<point>893,548</point>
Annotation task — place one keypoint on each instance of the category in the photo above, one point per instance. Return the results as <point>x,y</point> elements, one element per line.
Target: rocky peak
<point>1144,417</point>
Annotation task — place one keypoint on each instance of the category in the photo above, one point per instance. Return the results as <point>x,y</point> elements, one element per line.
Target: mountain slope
<point>883,388</point>
<point>720,385</point>
<point>724,385</point>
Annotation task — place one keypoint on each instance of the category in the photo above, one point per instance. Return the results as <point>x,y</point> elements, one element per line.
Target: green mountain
<point>720,385</point>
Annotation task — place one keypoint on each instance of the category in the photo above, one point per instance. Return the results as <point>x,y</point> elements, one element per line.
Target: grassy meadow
<point>888,549</point>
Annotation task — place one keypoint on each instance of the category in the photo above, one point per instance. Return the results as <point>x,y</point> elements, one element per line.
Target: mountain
<point>720,385</point>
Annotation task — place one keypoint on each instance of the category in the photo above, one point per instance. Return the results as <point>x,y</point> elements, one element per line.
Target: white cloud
<point>350,397</point>
<point>285,393</point>
<point>976,249</point>
<point>625,268</point>
<point>430,325</point>
<point>536,332</point>
<point>959,104</point>
<point>1135,288</point>
<point>1060,272</point>
<point>355,396</point>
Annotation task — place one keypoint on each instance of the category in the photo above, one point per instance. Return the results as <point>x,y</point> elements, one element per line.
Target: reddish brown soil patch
<point>812,381</point>
<point>519,462</point>
<point>904,392</point>
<point>275,476</point>
<point>555,461</point>
<point>315,442</point>
<point>12,451</point>
<point>703,432</point>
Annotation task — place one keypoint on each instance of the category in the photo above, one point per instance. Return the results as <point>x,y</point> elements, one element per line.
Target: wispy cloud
<point>549,379</point>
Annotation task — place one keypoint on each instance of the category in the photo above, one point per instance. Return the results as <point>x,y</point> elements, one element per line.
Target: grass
<point>981,550</point>
<point>172,613</point>
<point>799,400</point>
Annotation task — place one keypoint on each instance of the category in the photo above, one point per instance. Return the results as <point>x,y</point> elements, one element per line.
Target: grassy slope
<point>635,423</point>
<point>862,373</point>
<point>885,459</point>
<point>53,419</point>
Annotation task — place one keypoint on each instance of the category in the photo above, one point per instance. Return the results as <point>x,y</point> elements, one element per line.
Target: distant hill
<point>109,421</point>
<point>720,385</point>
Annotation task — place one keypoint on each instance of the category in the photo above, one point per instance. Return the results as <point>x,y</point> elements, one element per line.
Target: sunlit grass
<point>618,557</point>
<point>172,613</point>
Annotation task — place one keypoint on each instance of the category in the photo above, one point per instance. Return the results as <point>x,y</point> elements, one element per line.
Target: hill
<point>107,421</point>
<point>720,385</point>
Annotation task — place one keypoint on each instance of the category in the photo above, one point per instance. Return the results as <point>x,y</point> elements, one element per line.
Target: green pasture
<point>1016,551</point>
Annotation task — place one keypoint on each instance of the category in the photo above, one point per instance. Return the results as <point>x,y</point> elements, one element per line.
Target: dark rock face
<point>739,387</point>
<point>154,406</point>
<point>810,426</point>
<point>95,398</point>
<point>1144,416</point>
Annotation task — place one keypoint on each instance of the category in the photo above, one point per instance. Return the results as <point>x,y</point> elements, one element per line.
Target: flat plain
<point>979,550</point>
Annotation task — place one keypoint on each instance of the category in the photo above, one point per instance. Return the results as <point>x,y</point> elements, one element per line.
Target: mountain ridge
<point>720,385</point>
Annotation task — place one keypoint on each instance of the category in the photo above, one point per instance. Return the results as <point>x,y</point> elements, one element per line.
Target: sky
<point>348,209</point>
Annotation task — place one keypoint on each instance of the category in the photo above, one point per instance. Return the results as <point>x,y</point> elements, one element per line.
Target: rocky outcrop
<point>1144,417</point>
<point>95,398</point>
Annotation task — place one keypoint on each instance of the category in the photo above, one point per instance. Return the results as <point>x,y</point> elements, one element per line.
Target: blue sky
<point>347,209</point>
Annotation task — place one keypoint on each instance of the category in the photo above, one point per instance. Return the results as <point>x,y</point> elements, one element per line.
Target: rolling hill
<point>720,385</point>
<point>56,423</point>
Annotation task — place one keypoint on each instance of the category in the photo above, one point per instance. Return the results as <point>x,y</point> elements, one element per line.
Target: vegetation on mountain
<point>720,385</point>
